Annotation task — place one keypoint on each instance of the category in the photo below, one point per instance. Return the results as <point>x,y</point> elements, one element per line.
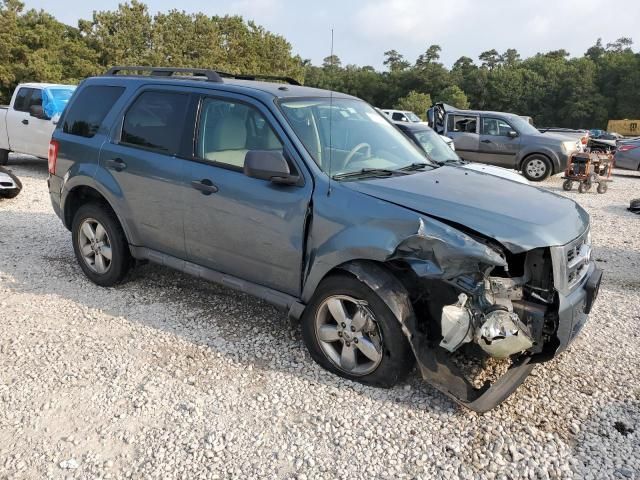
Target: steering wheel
<point>355,150</point>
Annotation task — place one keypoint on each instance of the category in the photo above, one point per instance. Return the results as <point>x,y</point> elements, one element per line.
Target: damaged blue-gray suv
<point>314,202</point>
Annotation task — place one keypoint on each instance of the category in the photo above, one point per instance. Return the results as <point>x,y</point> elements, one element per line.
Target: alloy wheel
<point>349,335</point>
<point>95,246</point>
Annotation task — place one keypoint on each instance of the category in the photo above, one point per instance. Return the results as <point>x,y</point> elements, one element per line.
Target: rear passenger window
<point>462,123</point>
<point>89,109</point>
<point>227,131</point>
<point>155,121</point>
<point>20,103</point>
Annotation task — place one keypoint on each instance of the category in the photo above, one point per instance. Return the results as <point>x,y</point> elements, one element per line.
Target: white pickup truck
<point>27,123</point>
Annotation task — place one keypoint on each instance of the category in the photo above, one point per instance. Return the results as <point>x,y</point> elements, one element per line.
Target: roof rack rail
<point>209,75</point>
<point>289,80</point>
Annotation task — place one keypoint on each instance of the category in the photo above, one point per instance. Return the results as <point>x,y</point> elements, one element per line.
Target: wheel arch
<point>83,194</point>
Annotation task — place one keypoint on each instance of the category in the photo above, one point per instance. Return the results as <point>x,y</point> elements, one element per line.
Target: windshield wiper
<point>458,161</point>
<point>416,166</point>
<point>365,172</point>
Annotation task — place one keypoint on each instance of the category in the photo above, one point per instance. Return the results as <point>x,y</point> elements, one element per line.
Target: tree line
<point>553,87</point>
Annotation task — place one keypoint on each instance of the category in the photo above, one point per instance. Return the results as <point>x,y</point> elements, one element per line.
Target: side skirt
<point>278,299</point>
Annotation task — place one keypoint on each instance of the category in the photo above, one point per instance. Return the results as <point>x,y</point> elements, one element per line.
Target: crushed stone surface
<point>167,376</point>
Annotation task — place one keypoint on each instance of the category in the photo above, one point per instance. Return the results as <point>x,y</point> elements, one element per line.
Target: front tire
<point>4,157</point>
<point>349,330</point>
<point>100,245</point>
<point>536,168</point>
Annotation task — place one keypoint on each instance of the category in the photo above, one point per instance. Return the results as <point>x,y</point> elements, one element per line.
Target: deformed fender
<point>440,251</point>
<point>432,248</point>
<point>433,361</point>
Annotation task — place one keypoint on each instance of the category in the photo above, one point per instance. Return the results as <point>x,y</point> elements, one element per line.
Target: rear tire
<point>100,245</point>
<point>567,185</point>
<point>602,187</point>
<point>4,157</point>
<point>382,331</point>
<point>536,168</point>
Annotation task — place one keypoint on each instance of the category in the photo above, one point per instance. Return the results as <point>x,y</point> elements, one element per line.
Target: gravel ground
<point>169,377</point>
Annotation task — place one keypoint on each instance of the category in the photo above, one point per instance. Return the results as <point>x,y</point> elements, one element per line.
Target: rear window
<point>88,110</point>
<point>155,121</point>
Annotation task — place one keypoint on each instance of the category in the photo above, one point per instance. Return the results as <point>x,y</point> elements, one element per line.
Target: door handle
<point>486,141</point>
<point>116,164</point>
<point>25,122</point>
<point>206,186</point>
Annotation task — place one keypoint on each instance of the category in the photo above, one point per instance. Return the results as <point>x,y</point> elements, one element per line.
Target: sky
<point>365,29</point>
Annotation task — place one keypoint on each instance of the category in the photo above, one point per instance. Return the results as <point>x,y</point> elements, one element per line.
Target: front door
<point>18,121</point>
<point>142,160</point>
<point>40,129</point>
<point>498,144</point>
<point>245,227</point>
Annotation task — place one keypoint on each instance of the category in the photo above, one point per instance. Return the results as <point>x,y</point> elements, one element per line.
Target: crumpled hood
<point>520,217</point>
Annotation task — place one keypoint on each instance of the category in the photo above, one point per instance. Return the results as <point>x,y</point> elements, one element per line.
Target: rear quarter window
<point>89,110</point>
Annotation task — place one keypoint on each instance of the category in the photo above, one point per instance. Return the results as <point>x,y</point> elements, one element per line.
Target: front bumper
<point>574,308</point>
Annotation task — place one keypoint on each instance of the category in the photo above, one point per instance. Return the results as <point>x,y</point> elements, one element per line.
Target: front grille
<point>571,263</point>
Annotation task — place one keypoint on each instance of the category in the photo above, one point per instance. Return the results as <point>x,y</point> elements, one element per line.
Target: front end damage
<point>459,293</point>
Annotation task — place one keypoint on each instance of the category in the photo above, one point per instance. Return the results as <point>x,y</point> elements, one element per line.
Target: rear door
<point>246,227</point>
<point>496,146</point>
<point>18,120</point>
<point>143,160</point>
<point>463,130</point>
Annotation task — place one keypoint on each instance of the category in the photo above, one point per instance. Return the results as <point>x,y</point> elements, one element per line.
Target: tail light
<point>584,140</point>
<point>53,156</point>
<point>626,148</point>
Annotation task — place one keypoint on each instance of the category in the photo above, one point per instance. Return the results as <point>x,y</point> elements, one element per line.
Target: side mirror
<point>512,134</point>
<point>37,112</point>
<point>269,165</point>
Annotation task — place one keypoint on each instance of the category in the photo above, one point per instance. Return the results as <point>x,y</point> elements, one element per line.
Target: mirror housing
<point>38,112</point>
<point>269,165</point>
<point>512,134</point>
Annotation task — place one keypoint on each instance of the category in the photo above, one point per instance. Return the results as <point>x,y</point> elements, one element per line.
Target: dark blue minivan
<point>315,202</point>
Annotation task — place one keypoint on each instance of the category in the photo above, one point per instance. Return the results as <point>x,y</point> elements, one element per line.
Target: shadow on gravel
<point>29,167</point>
<point>226,321</point>
<point>608,445</point>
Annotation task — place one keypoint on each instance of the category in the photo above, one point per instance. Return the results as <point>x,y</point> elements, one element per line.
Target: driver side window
<point>228,130</point>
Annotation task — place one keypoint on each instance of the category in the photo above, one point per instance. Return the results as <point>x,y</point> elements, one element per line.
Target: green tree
<point>395,61</point>
<point>415,102</point>
<point>432,55</point>
<point>490,58</point>
<point>454,96</point>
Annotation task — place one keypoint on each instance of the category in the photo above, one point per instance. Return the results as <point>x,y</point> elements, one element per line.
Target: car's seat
<point>227,142</point>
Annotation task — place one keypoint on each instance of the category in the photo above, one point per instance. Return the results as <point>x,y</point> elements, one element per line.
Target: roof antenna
<point>330,118</point>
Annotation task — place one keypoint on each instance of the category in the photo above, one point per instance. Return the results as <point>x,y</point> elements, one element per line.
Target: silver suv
<point>503,139</point>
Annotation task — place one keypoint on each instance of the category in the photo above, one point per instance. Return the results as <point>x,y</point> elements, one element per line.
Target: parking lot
<point>167,376</point>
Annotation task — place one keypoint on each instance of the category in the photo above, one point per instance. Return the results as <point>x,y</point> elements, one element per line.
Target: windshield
<point>412,116</point>
<point>434,145</point>
<point>348,135</point>
<point>55,99</point>
<point>522,126</point>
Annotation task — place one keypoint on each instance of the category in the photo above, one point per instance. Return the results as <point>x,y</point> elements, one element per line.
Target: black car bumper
<point>574,308</point>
